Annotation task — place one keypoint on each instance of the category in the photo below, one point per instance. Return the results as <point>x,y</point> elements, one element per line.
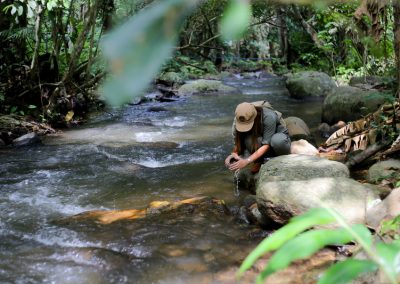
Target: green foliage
<point>391,227</point>
<point>308,243</point>
<point>292,242</point>
<point>345,271</point>
<point>152,36</point>
<point>236,19</point>
<point>296,225</point>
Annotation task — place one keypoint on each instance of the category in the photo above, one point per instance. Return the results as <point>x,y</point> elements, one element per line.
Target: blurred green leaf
<point>298,224</point>
<point>307,244</point>
<point>345,271</point>
<point>137,49</point>
<point>235,20</point>
<point>389,255</point>
<point>391,225</point>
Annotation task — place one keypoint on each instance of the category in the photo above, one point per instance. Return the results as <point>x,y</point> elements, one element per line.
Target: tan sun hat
<point>245,114</point>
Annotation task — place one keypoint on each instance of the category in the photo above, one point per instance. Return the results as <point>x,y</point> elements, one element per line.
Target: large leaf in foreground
<point>306,244</point>
<point>298,224</point>
<point>389,255</point>
<point>137,49</point>
<point>236,19</point>
<point>345,271</point>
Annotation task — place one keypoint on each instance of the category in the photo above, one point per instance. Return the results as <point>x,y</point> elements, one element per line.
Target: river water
<point>127,158</point>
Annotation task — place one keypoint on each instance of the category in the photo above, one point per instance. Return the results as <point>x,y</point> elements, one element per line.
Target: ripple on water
<point>177,121</point>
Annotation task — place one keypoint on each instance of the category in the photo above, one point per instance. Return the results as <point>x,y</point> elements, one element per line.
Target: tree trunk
<point>80,42</point>
<point>283,34</point>
<point>109,9</point>
<point>309,29</point>
<point>396,31</point>
<point>35,57</point>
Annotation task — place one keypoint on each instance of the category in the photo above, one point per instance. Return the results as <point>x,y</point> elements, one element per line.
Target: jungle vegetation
<point>51,59</point>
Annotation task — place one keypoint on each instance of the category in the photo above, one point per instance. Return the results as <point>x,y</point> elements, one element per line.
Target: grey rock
<point>281,200</point>
<point>300,167</point>
<point>387,209</point>
<point>309,84</point>
<point>206,87</point>
<point>350,103</point>
<point>297,128</point>
<point>370,80</point>
<point>384,169</point>
<point>2,143</point>
<point>26,140</point>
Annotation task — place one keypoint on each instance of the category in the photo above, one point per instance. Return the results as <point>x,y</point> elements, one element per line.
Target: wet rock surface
<point>27,140</point>
<point>309,84</point>
<point>385,169</point>
<point>282,200</point>
<point>300,167</point>
<point>350,103</point>
<point>206,87</point>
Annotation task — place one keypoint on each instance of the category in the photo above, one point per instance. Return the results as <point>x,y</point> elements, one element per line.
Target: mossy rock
<point>172,78</point>
<point>206,87</point>
<point>350,103</point>
<point>371,80</point>
<point>385,169</point>
<point>309,84</point>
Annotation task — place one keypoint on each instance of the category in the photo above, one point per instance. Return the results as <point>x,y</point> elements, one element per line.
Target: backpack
<point>266,104</point>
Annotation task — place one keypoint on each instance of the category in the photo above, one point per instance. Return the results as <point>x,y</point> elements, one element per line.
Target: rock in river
<point>206,87</point>
<point>291,185</point>
<point>281,200</point>
<point>26,140</point>
<point>310,84</point>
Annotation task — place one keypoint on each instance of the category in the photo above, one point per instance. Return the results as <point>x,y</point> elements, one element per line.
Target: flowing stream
<point>126,159</point>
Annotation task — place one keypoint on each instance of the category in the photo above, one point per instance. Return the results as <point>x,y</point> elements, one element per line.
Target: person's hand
<point>240,164</point>
<point>229,159</point>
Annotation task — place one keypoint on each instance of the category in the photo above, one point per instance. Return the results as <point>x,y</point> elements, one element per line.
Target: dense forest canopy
<point>50,50</point>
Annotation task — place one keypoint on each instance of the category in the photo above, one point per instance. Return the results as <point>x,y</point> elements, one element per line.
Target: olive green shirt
<point>271,125</point>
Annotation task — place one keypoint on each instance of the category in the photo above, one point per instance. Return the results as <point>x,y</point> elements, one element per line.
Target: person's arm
<point>243,162</point>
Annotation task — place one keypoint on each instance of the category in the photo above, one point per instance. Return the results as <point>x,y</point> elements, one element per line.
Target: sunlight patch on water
<point>171,160</point>
<point>177,121</point>
<point>149,136</point>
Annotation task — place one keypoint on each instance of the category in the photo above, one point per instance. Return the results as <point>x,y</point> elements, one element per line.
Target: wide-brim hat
<point>245,115</point>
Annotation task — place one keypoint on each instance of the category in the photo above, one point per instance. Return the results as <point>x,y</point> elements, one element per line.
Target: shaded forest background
<point>51,62</point>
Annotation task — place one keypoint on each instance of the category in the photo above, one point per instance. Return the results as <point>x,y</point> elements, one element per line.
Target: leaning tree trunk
<point>396,31</point>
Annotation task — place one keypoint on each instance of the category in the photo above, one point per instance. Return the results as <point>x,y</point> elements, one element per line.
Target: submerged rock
<point>206,87</point>
<point>310,84</point>
<point>200,204</point>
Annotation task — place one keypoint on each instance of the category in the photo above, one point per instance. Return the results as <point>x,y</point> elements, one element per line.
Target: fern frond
<point>17,34</point>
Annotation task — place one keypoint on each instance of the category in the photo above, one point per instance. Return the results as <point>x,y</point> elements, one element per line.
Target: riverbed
<point>126,158</point>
